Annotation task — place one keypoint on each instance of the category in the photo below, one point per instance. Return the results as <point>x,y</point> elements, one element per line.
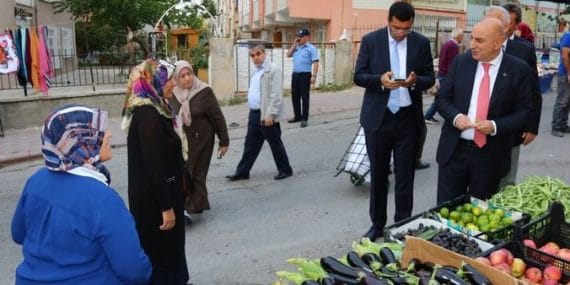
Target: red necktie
<point>480,139</point>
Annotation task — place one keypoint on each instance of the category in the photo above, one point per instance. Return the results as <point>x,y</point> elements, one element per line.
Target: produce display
<point>376,264</point>
<point>534,195</point>
<point>474,218</point>
<point>422,231</point>
<point>457,242</point>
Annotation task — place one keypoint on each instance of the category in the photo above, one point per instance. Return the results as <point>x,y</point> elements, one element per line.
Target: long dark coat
<point>155,167</point>
<point>207,121</point>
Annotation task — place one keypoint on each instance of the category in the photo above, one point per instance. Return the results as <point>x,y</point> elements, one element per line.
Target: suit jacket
<point>374,60</point>
<point>509,107</point>
<point>271,92</point>
<point>525,51</point>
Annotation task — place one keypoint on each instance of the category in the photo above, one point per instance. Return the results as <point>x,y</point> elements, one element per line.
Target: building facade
<point>329,20</point>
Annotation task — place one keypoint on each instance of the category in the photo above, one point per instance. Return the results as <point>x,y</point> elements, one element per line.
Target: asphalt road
<point>256,224</point>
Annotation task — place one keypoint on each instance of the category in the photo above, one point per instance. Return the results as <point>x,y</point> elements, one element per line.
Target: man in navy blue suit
<point>485,101</point>
<point>394,65</point>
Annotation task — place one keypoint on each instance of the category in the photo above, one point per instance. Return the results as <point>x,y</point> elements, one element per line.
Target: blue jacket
<point>76,230</point>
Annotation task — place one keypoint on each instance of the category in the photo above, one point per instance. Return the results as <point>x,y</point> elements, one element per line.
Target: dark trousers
<point>256,135</point>
<point>398,133</point>
<point>421,141</point>
<point>300,87</point>
<point>465,174</point>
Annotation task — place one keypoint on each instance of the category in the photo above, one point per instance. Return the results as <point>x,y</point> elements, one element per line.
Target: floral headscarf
<point>72,136</point>
<point>145,87</point>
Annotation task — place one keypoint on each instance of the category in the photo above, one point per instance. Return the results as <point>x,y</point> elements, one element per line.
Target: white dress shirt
<point>402,46</point>
<point>468,134</point>
<point>254,93</point>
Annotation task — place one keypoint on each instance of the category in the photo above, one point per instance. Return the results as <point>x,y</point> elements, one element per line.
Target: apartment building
<point>328,20</point>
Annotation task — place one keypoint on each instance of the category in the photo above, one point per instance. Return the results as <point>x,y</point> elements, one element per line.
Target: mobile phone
<point>399,79</point>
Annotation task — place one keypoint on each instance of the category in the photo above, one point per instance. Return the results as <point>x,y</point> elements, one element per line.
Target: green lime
<point>494,217</point>
<point>500,212</point>
<point>507,221</point>
<point>489,211</point>
<point>444,212</point>
<point>455,215</point>
<point>459,208</point>
<point>467,207</point>
<point>493,225</point>
<point>471,227</point>
<point>484,227</point>
<point>477,211</point>
<point>466,218</point>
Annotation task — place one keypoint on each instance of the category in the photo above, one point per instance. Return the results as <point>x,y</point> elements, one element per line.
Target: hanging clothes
<point>8,56</point>
<point>34,52</point>
<point>22,78</point>
<point>46,71</point>
<point>28,56</point>
<point>23,45</point>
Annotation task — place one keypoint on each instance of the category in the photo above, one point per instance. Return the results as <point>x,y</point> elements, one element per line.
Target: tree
<point>99,17</point>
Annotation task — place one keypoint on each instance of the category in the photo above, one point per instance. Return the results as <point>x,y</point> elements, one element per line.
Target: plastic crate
<point>549,227</point>
<point>497,236</point>
<point>388,231</point>
<point>516,248</point>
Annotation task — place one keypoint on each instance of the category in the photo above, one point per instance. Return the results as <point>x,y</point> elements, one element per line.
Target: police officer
<point>305,68</point>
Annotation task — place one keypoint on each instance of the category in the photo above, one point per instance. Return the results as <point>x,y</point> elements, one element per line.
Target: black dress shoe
<point>282,175</point>
<point>373,233</point>
<point>422,165</point>
<point>236,177</point>
<point>294,120</point>
<point>303,124</point>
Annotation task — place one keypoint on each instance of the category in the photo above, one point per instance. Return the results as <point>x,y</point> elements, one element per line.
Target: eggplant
<point>399,280</point>
<point>387,256</point>
<point>371,280</point>
<point>343,280</point>
<point>444,275</point>
<point>310,282</point>
<point>474,276</point>
<point>355,261</point>
<point>451,268</point>
<point>326,281</point>
<point>414,265</point>
<point>428,266</point>
<point>332,265</point>
<point>373,260</point>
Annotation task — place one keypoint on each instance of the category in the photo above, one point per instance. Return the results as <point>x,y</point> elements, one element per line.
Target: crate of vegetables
<point>478,218</point>
<point>509,258</point>
<point>546,240</point>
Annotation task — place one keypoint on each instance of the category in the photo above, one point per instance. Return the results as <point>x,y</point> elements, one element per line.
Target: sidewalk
<point>19,145</point>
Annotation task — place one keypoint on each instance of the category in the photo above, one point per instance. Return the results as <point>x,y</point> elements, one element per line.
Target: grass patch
<point>234,100</point>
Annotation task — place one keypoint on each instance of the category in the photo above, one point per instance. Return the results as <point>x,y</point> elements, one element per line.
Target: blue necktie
<point>394,100</point>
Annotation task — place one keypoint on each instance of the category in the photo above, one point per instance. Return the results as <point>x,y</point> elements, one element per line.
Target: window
<point>53,45</point>
<point>182,41</point>
<point>67,42</point>
<point>29,3</point>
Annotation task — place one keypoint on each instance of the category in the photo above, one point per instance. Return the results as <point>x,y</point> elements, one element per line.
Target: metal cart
<point>355,160</point>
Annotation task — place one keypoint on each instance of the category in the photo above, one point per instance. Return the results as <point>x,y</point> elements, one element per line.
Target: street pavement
<point>19,145</point>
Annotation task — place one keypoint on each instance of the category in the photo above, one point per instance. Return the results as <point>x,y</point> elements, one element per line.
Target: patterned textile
<point>8,56</point>
<point>72,136</point>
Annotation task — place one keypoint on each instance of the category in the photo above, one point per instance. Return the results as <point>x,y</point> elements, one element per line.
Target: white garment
<point>405,99</point>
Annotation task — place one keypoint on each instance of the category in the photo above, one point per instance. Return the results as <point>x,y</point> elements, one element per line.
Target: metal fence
<point>277,53</point>
<point>82,70</point>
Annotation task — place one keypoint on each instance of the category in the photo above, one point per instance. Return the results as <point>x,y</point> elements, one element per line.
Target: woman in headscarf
<point>74,228</point>
<point>155,168</point>
<point>198,108</point>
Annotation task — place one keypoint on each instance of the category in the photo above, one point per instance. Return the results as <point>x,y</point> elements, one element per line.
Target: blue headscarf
<point>72,136</point>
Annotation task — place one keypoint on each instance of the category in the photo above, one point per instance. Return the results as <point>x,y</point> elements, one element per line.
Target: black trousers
<point>300,87</point>
<point>398,133</point>
<point>465,174</point>
<point>256,135</point>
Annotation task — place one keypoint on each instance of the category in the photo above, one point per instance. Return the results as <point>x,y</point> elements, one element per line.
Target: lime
<point>489,211</point>
<point>461,224</point>
<point>459,208</point>
<point>466,218</point>
<point>494,217</point>
<point>507,221</point>
<point>482,220</point>
<point>471,227</point>
<point>493,225</point>
<point>484,227</point>
<point>500,212</point>
<point>477,211</point>
<point>455,215</point>
<point>467,207</point>
<point>444,212</point>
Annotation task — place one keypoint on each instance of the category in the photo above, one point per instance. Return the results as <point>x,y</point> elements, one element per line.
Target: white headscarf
<point>184,95</point>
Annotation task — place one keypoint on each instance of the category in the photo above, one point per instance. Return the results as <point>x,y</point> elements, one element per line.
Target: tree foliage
<point>105,23</point>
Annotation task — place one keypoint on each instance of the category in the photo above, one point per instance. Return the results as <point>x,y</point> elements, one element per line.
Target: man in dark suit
<point>485,101</point>
<point>510,15</point>
<point>394,65</point>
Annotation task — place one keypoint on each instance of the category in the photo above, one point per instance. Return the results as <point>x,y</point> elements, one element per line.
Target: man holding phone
<point>305,67</point>
<point>394,65</point>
